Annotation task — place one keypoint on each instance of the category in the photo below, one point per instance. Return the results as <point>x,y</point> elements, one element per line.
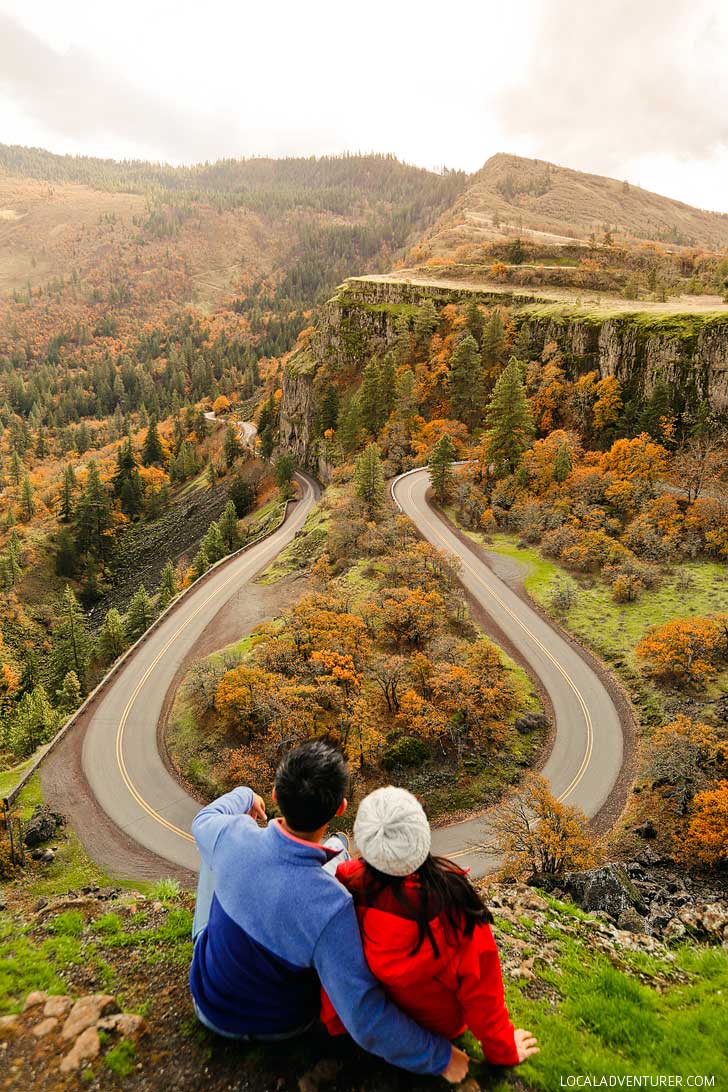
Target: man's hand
<point>257,809</point>
<point>457,1069</point>
<point>525,1044</point>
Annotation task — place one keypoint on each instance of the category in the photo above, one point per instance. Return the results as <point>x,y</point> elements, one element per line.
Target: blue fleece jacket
<point>279,923</point>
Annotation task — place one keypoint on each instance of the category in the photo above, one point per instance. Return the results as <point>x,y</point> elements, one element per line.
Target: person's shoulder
<point>350,871</point>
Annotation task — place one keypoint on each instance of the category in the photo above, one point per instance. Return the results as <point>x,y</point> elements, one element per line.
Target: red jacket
<point>461,987</point>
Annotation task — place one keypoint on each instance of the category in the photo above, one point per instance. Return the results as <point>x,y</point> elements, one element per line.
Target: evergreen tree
<point>127,482</point>
<point>17,469</point>
<point>68,490</point>
<point>509,421</point>
<point>371,409</point>
<point>440,467</point>
<point>268,426</point>
<point>242,494</point>
<point>82,438</point>
<point>388,385</point>
<point>426,322</point>
<point>494,341</point>
<point>168,584</point>
<point>152,450</point>
<point>35,721</point>
<point>466,382</point>
<point>140,614</point>
<point>229,528</point>
<point>211,475</point>
<point>562,463</point>
<point>71,644</point>
<point>68,698</point>
<point>201,563</point>
<point>66,555</point>
<point>93,520</point>
<point>350,425</point>
<point>329,408</point>
<point>213,544</point>
<point>475,321</point>
<point>41,448</point>
<point>232,448</point>
<point>27,499</point>
<point>112,637</point>
<point>369,479</point>
<point>284,470</point>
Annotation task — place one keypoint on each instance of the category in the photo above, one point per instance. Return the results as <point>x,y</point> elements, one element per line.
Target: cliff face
<point>686,355</point>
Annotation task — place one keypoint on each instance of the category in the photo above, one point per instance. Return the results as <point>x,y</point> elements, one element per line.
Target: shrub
<point>406,751</point>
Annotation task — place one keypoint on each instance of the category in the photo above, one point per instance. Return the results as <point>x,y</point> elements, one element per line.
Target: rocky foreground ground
<point>93,984</point>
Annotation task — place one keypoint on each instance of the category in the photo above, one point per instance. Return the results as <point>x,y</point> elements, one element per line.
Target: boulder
<point>42,825</point>
<point>45,1027</point>
<point>57,1006</point>
<point>532,722</point>
<point>631,921</point>
<point>87,1046</point>
<point>607,889</point>
<point>37,997</point>
<point>646,830</point>
<point>127,1024</point>
<point>86,1012</point>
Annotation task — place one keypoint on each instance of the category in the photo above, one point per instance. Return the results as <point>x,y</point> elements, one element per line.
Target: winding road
<point>134,788</point>
<point>121,760</point>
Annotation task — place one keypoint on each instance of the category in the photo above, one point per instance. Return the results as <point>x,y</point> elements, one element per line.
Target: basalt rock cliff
<point>685,355</point>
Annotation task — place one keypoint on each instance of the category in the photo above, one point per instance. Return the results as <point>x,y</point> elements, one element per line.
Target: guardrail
<point>116,667</point>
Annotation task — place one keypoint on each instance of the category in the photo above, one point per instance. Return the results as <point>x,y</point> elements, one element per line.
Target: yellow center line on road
<point>125,716</point>
<point>539,644</point>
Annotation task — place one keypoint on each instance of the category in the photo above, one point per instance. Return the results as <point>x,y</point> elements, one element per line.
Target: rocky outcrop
<point>42,825</point>
<point>684,354</point>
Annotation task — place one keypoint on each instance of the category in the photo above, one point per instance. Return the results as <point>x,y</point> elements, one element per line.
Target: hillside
<point>549,204</point>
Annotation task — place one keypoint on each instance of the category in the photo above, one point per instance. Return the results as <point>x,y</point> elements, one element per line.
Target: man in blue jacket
<point>271,922</point>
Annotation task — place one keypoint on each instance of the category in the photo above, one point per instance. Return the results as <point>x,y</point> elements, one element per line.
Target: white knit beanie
<point>392,832</point>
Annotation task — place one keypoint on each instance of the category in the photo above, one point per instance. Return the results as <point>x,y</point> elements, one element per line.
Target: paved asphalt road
<point>123,767</point>
<point>586,759</point>
<point>121,761</point>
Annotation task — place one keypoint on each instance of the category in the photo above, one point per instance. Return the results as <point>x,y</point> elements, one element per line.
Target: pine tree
<point>93,520</point>
<point>475,321</point>
<point>242,494</point>
<point>466,382</point>
<point>284,470</point>
<point>152,450</point>
<point>369,479</point>
<point>27,499</point>
<point>211,475</point>
<point>232,448</point>
<point>112,637</point>
<point>68,490</point>
<point>229,528</point>
<point>388,386</point>
<point>350,425</point>
<point>139,614</point>
<point>16,469</point>
<point>329,408</point>
<point>127,482</point>
<point>35,721</point>
<point>370,399</point>
<point>168,584</point>
<point>71,643</point>
<point>426,322</point>
<point>68,698</point>
<point>82,438</point>
<point>562,463</point>
<point>509,421</point>
<point>213,544</point>
<point>201,563</point>
<point>494,342</point>
<point>440,467</point>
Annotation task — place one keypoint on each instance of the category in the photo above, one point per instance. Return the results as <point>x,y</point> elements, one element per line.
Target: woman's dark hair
<point>311,782</point>
<point>442,890</point>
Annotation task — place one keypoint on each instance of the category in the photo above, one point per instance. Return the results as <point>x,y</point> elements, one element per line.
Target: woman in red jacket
<point>425,930</point>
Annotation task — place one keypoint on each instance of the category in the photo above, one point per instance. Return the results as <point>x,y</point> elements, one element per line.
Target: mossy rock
<point>406,751</point>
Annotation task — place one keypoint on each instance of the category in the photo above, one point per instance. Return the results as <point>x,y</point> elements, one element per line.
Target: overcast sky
<point>637,89</point>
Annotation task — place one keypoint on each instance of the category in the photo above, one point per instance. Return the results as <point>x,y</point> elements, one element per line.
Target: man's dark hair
<point>311,782</point>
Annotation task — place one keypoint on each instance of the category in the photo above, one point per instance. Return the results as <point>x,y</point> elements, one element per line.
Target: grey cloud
<point>610,81</point>
<point>73,95</point>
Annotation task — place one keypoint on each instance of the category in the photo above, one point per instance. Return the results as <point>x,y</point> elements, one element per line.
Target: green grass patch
<point>602,1021</point>
<point>304,549</point>
<point>121,1059</point>
<point>9,778</point>
<point>613,630</point>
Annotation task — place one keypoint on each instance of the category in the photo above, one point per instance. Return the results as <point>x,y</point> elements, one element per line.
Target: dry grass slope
<point>551,204</point>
